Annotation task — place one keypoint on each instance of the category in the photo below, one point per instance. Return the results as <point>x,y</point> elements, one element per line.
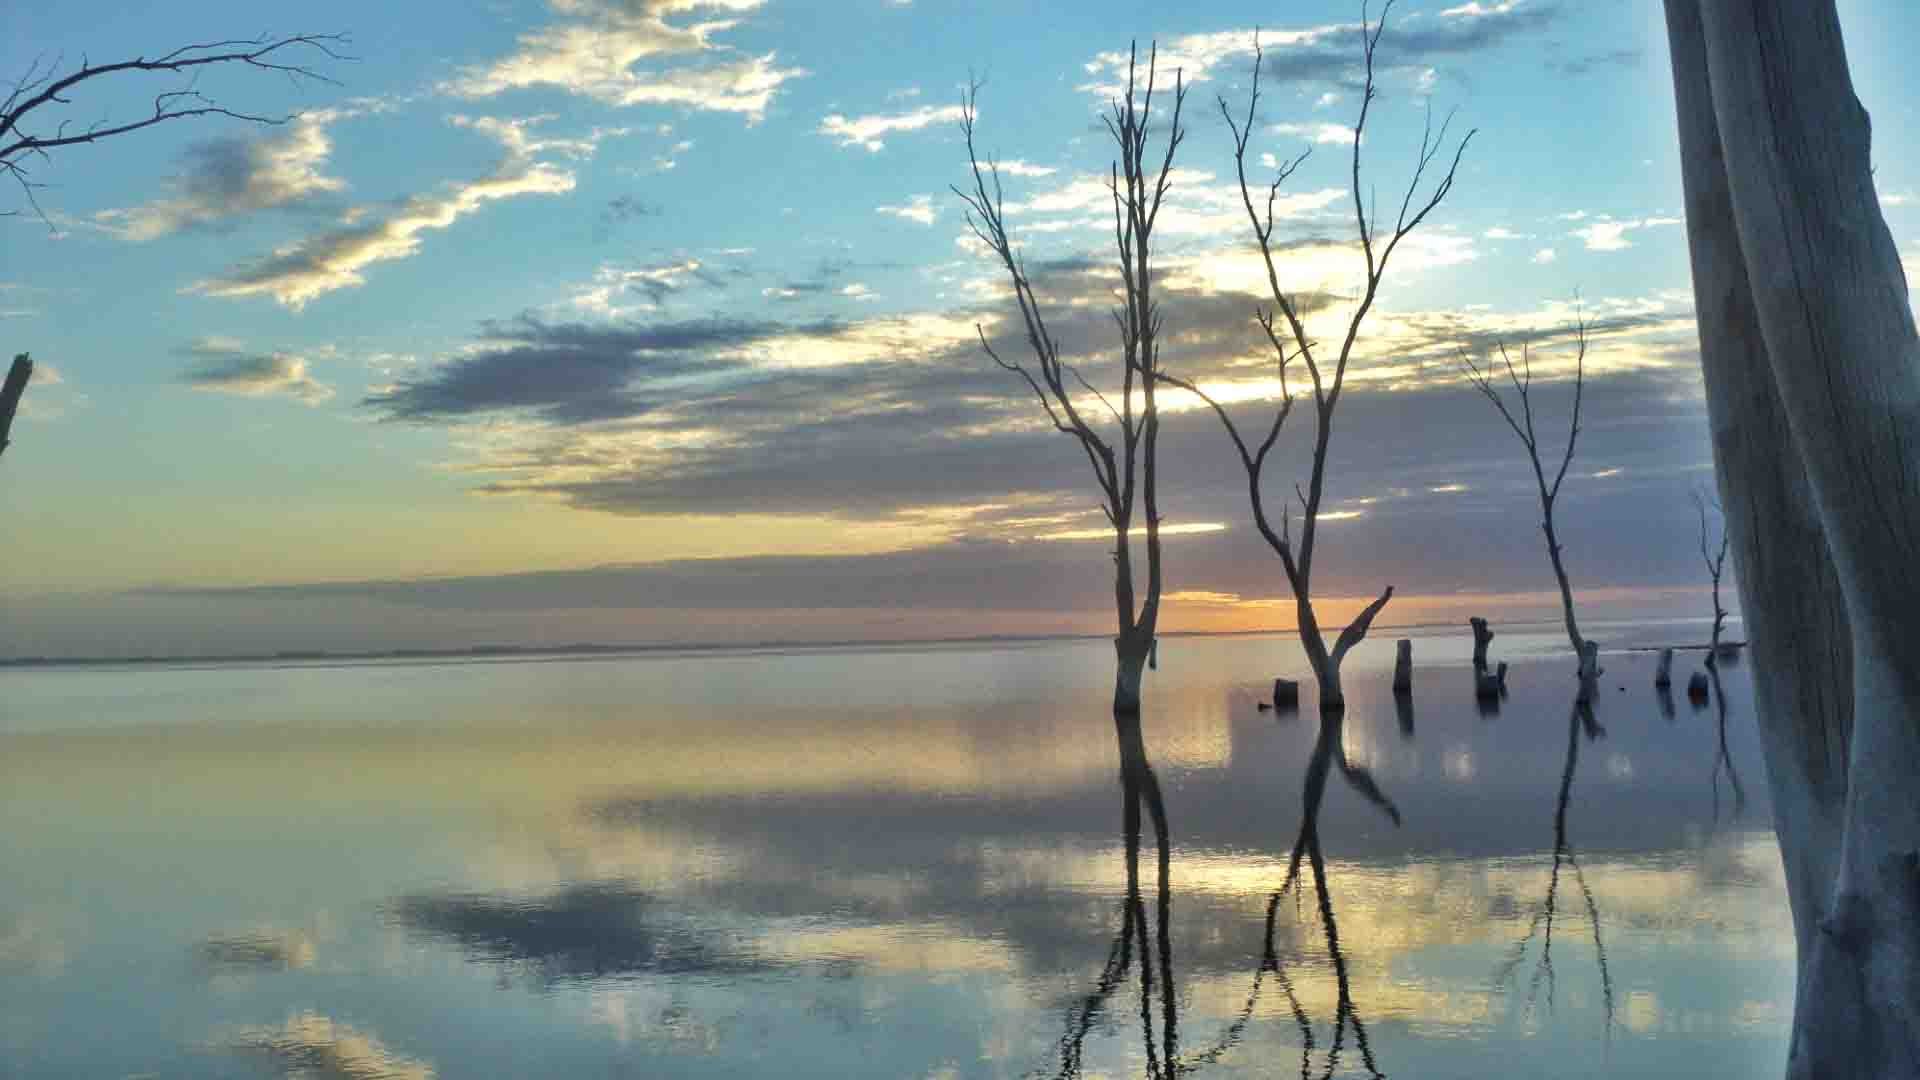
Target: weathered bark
<point>1403,666</point>
<point>1763,88</point>
<point>17,378</point>
<point>1482,637</point>
<point>1789,590</point>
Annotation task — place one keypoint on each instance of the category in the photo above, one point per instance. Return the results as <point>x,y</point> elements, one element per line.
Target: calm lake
<point>925,861</point>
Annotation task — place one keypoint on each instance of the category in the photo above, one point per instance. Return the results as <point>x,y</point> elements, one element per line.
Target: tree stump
<point>1697,688</point>
<point>1482,637</point>
<point>1663,675</point>
<point>1403,666</point>
<point>1286,694</point>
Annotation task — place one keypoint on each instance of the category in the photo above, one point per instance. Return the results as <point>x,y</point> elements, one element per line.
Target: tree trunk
<point>16,384</point>
<point>1131,650</point>
<point>1403,666</point>
<point>1813,388</point>
<point>1482,637</point>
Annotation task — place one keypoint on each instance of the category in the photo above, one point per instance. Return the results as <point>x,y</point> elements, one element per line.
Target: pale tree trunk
<point>1813,380</point>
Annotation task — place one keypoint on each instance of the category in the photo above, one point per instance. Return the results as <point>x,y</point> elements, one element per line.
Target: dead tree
<point>1286,333</point>
<point>1124,467</point>
<point>1812,373</point>
<point>30,124</point>
<point>1716,563</point>
<point>1521,378</point>
<point>17,377</point>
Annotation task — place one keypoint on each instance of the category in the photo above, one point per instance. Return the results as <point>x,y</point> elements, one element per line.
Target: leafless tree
<point>1286,332</point>
<point>1812,371</point>
<point>1520,376</point>
<point>1124,465</point>
<point>1716,563</point>
<point>32,121</point>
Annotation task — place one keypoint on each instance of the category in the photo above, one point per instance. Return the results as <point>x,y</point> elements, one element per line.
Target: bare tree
<point>1716,564</point>
<point>1124,467</point>
<point>32,121</point>
<point>1812,371</point>
<point>1521,378</point>
<point>1286,332</point>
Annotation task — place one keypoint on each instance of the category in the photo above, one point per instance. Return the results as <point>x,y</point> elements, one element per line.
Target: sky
<point>657,321</point>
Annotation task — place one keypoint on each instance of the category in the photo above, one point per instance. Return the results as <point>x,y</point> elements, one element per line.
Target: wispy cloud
<point>235,175</point>
<point>597,47</point>
<point>866,131</point>
<point>334,259</point>
<point>228,366</point>
<point>1321,133</point>
<point>919,208</point>
<point>1610,234</point>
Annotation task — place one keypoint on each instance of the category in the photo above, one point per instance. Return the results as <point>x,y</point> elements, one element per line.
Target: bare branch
<point>38,89</point>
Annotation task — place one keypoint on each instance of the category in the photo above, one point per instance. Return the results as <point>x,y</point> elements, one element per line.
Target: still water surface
<point>936,861</point>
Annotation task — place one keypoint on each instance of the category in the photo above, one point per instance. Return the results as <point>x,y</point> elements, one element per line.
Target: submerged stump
<point>1403,666</point>
<point>1482,637</point>
<point>1286,694</point>
<point>1663,675</point>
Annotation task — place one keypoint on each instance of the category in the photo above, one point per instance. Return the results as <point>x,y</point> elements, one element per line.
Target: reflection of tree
<point>1723,759</point>
<point>1139,785</point>
<point>1580,720</point>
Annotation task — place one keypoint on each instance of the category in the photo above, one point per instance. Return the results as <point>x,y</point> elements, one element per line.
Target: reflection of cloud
<point>256,950</point>
<point>312,1047</point>
<point>580,932</point>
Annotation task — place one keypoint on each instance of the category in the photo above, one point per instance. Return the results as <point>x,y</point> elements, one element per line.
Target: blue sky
<point>668,296</point>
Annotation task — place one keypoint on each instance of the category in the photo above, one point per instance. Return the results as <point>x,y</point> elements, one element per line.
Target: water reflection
<point>313,1046</point>
<point>1580,720</point>
<point>582,931</point>
<point>1154,962</point>
<point>1723,759</point>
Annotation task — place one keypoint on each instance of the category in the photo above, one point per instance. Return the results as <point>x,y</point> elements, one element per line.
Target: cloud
<point>1328,56</point>
<point>1336,134</point>
<point>228,367</point>
<point>234,175</point>
<point>569,373</point>
<point>866,131</point>
<point>1545,255</point>
<point>334,259</point>
<point>654,284</point>
<point>595,50</point>
<point>1501,232</point>
<point>919,208</point>
<point>1609,234</point>
<point>1589,62</point>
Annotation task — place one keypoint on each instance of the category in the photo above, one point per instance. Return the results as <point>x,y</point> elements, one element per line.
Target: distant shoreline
<point>597,649</point>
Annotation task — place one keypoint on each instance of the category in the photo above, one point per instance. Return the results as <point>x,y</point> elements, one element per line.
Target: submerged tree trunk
<point>1813,389</point>
<point>1130,651</point>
